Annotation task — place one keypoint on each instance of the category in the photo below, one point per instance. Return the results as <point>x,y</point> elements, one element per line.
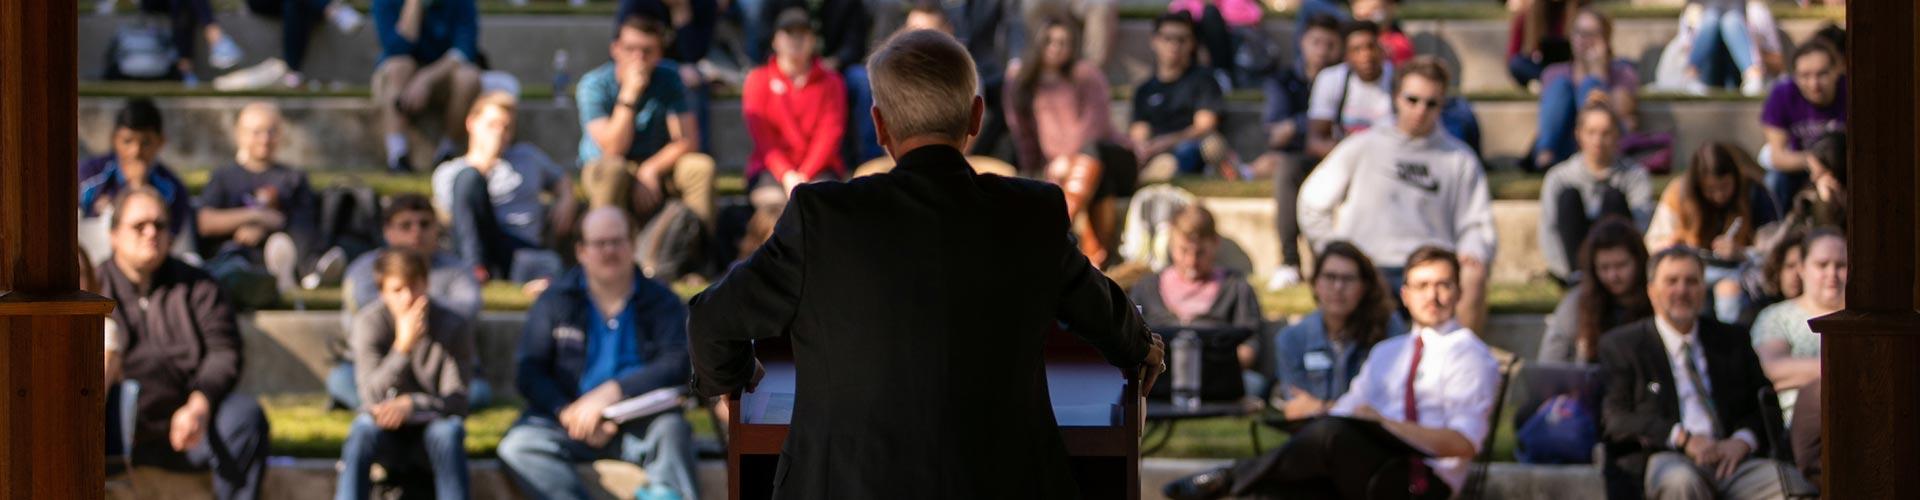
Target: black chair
<point>1476,484</point>
<point>1539,382</point>
<point>1780,448</point>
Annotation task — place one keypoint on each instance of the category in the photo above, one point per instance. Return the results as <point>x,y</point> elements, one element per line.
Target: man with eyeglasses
<point>183,350</point>
<point>409,224</point>
<point>1412,420</point>
<point>1392,189</point>
<point>603,333</point>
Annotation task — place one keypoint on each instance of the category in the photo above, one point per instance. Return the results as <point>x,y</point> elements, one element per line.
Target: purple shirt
<point>1804,122</point>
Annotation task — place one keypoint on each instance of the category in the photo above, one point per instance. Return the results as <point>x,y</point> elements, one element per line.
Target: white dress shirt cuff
<point>1678,438</point>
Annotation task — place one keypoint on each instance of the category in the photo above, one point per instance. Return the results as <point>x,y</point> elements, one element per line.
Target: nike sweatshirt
<point>1390,194</point>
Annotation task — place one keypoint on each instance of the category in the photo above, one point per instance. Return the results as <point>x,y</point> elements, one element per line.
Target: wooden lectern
<point>1096,405</point>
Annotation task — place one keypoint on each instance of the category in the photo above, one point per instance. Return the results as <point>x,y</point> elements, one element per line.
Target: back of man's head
<point>924,85</point>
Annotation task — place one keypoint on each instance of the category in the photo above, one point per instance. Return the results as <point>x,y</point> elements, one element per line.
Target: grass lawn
<point>304,427</point>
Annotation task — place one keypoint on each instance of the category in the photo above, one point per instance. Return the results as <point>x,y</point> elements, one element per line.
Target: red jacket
<point>795,128</point>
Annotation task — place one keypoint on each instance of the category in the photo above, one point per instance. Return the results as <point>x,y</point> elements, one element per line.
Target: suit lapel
<point>1653,353</point>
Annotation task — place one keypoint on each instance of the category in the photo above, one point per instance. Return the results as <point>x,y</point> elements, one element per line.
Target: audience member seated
<point>842,29</point>
<point>1396,187</point>
<point>1729,43</point>
<point>190,17</point>
<point>1388,412</point>
<point>1611,293</point>
<point>1798,112</point>
<point>600,335</point>
<point>925,15</point>
<point>1177,112</point>
<point>493,196</point>
<point>413,365</point>
<point>1714,209</point>
<point>1098,28</point>
<point>1595,183</point>
<point>638,136</point>
<point>991,31</point>
<point>1060,113</point>
<point>1286,158</point>
<point>409,225</point>
<point>1320,356</point>
<point>1776,278</point>
<point>257,215</point>
<point>1680,415</point>
<point>1225,29</point>
<point>297,20</point>
<point>1823,202</point>
<point>182,347</point>
<point>1353,96</point>
<point>1394,43</point>
<point>133,164</point>
<point>796,111</point>
<point>1789,350</point>
<point>1193,292</point>
<point>693,23</point>
<point>1538,37</point>
<point>1594,76</point>
<point>428,54</point>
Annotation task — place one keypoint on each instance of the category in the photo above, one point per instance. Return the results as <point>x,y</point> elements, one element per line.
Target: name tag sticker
<point>1317,361</point>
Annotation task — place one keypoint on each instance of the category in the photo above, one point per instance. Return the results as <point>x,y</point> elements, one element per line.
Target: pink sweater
<point>1067,116</point>
<point>1237,13</point>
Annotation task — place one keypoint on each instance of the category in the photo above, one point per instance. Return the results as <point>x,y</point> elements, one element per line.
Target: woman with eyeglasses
<point>1319,355</point>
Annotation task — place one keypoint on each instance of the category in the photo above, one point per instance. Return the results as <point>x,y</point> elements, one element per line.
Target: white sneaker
<point>326,270</point>
<point>344,18</point>
<point>1753,85</point>
<point>1284,277</point>
<point>224,53</point>
<point>258,76</point>
<point>280,256</point>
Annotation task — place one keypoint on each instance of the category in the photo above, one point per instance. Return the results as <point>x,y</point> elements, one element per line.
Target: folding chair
<point>1780,449</point>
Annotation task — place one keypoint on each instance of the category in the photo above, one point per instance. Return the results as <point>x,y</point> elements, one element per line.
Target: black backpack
<point>672,245</point>
<point>350,217</point>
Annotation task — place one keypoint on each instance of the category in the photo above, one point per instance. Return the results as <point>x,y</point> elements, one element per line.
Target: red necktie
<point>1417,468</point>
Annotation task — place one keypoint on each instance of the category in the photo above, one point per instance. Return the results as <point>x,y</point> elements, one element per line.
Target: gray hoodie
<point>1390,194</point>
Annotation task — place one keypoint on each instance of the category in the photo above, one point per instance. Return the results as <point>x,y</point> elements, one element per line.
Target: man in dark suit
<point>917,303</point>
<point>1681,414</point>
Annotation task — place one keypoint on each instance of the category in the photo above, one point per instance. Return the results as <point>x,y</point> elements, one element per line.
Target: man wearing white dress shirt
<point>1417,451</point>
<point>1681,414</point>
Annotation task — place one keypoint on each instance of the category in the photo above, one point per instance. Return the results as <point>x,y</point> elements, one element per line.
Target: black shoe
<point>1203,486</point>
<point>399,164</point>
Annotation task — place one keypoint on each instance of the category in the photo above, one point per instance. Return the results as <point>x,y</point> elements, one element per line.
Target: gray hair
<point>924,83</point>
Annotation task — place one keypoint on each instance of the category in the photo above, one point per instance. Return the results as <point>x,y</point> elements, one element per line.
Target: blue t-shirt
<point>665,97</point>
<point>612,348</point>
<point>445,25</point>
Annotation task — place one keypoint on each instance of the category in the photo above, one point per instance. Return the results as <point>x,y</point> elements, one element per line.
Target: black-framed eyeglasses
<point>1424,102</point>
<point>141,226</point>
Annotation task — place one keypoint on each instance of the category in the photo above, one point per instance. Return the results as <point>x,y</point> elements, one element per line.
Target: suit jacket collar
<point>1653,355</point>
<point>934,159</point>
<point>1708,337</point>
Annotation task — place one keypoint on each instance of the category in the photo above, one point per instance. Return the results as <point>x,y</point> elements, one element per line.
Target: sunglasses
<point>1425,102</point>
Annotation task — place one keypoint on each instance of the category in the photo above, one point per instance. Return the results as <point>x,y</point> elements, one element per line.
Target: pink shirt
<point>1188,299</point>
<point>1067,116</point>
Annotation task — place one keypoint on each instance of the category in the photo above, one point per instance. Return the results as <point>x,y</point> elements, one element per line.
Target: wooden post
<point>1871,351</point>
<point>51,419</point>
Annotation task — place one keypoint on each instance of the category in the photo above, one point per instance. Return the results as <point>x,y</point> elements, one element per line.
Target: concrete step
<point>316,479</point>
<point>524,44</point>
<point>343,132</point>
<point>1249,224</point>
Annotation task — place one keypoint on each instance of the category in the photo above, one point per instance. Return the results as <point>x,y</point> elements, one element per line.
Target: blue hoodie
<point>552,353</point>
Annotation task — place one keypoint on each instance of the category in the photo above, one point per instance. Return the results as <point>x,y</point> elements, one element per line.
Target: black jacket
<point>1642,406</point>
<point>917,303</point>
<point>181,338</point>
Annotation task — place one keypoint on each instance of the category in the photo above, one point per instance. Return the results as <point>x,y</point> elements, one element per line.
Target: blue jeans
<point>1560,102</point>
<point>441,440</point>
<point>1722,32</point>
<point>758,35</point>
<point>540,456</point>
<point>234,448</point>
<point>1190,157</point>
<point>344,390</point>
<point>297,19</point>
<point>477,234</point>
<point>864,141</point>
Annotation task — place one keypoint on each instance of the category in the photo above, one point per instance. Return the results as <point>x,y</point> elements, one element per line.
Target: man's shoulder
<point>1624,337</point>
<point>180,273</point>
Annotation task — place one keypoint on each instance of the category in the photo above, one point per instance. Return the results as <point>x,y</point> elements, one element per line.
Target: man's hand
<point>1725,247</point>
<point>250,235</point>
<point>409,23</point>
<point>1282,134</point>
<point>189,425</point>
<point>1729,453</point>
<point>601,434</point>
<point>1700,449</point>
<point>113,367</point>
<point>1301,405</point>
<point>583,418</point>
<point>392,413</point>
<point>1155,364</point>
<point>1366,412</point>
<point>268,219</point>
<point>410,326</point>
<point>792,180</point>
<point>633,82</point>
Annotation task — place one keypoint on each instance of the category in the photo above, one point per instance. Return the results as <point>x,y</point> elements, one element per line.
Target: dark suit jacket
<point>1641,406</point>
<point>916,303</point>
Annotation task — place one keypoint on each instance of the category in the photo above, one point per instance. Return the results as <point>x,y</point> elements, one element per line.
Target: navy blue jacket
<point>553,343</point>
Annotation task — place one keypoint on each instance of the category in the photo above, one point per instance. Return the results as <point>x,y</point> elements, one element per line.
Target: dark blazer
<point>1638,416</point>
<point>917,303</point>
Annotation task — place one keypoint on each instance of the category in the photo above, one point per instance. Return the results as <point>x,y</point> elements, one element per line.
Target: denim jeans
<point>1560,102</point>
<point>343,389</point>
<point>235,448</point>
<point>441,441</point>
<point>864,141</point>
<point>1188,154</point>
<point>540,456</point>
<point>1722,32</point>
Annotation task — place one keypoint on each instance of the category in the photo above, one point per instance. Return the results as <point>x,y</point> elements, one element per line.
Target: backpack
<point>672,245</point>
<point>350,217</point>
<point>1563,431</point>
<point>140,52</point>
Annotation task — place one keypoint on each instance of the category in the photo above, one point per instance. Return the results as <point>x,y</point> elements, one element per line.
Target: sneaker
<point>399,164</point>
<point>258,76</point>
<point>1284,277</point>
<point>280,256</point>
<point>1753,85</point>
<point>344,18</point>
<point>655,491</point>
<point>224,53</point>
<point>326,270</point>
<point>190,80</point>
<point>1696,88</point>
<point>1203,486</point>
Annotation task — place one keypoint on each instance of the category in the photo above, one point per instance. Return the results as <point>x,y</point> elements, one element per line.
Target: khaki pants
<point>612,181</point>
<point>1672,476</point>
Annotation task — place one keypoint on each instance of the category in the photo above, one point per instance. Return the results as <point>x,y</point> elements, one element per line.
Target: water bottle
<point>560,78</point>
<point>1186,370</point>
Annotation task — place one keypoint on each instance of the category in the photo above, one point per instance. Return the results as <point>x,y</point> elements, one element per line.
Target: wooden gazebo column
<point>1871,350</point>
<point>51,419</point>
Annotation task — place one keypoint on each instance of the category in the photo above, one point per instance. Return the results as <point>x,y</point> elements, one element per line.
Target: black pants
<point>297,19</point>
<point>993,127</point>
<point>1215,37</point>
<point>1571,223</point>
<point>1287,177</point>
<point>477,235</point>
<point>1332,458</point>
<point>235,448</point>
